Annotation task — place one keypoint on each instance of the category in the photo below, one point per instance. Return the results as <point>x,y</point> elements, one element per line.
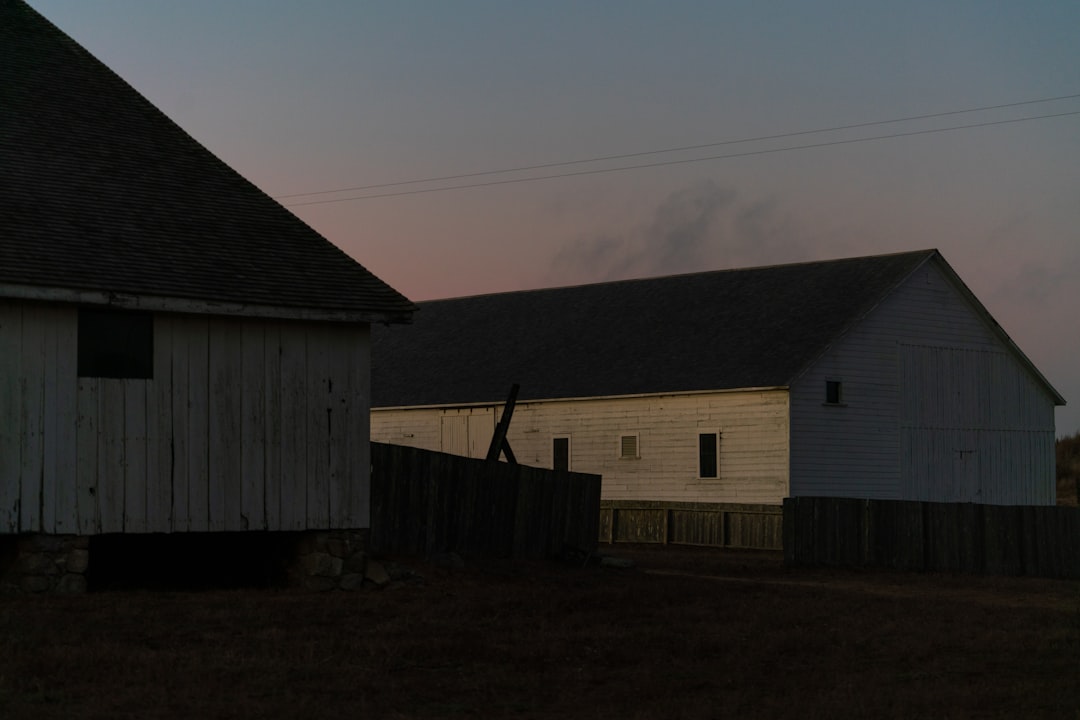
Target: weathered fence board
<point>937,537</point>
<point>426,502</point>
<point>731,525</point>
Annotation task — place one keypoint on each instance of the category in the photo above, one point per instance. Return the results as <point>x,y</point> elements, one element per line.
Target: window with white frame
<point>628,446</point>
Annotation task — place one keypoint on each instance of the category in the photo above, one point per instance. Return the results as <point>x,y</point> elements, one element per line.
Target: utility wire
<point>748,153</point>
<point>624,156</point>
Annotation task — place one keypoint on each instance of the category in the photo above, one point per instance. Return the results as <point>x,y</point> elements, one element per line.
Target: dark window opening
<point>708,465</point>
<point>833,392</point>
<point>560,453</point>
<point>116,344</point>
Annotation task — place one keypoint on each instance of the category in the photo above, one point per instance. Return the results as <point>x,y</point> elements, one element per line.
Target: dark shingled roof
<point>100,191</point>
<point>705,331</point>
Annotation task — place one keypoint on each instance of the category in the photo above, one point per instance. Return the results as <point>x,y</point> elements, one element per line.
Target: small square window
<point>115,344</point>
<point>560,453</point>
<point>708,455</point>
<point>834,392</point>
<point>628,446</point>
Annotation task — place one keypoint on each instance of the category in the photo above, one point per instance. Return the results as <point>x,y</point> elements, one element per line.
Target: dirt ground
<point>684,633</point>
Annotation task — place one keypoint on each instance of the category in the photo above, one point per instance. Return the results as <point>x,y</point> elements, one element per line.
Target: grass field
<point>685,633</point>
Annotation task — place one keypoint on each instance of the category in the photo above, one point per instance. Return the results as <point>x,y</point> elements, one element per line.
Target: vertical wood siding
<point>11,439</point>
<point>963,443</point>
<point>465,432</point>
<point>247,424</point>
<point>934,408</point>
<point>753,463</point>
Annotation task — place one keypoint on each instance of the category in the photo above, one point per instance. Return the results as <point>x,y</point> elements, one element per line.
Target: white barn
<point>178,352</point>
<point>874,377</point>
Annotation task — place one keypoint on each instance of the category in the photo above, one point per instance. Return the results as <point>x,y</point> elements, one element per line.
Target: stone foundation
<point>314,560</point>
<point>329,560</point>
<point>44,564</point>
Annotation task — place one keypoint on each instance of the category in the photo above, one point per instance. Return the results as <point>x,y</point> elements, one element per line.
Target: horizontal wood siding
<point>923,378</point>
<point>753,443</point>
<point>199,446</point>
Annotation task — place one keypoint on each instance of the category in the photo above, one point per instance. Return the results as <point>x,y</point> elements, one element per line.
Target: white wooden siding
<point>972,425</point>
<point>753,461</point>
<point>355,486</point>
<point>247,424</point>
<point>253,426</point>
<point>463,431</point>
<point>916,375</point>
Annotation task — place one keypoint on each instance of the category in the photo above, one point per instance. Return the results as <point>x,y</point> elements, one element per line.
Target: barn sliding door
<point>972,428</point>
<point>467,433</point>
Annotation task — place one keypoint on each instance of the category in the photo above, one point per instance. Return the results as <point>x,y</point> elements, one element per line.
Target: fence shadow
<point>1042,541</point>
<point>425,502</point>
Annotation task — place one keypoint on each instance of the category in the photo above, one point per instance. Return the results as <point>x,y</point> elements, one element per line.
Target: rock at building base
<point>376,574</point>
<point>609,561</point>
<point>72,584</point>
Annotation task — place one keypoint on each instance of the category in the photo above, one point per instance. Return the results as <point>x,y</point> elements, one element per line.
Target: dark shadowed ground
<point>686,633</point>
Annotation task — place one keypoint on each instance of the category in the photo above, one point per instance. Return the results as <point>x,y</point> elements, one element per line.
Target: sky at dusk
<point>342,94</point>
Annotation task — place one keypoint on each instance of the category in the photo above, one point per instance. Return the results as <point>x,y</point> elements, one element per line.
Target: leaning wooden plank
<point>499,444</point>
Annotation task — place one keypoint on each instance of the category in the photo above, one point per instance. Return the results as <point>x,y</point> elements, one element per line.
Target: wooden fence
<point>936,537</point>
<point>425,502</point>
<point>725,525</point>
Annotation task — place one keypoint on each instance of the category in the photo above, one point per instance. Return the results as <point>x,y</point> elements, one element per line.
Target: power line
<point>684,161</point>
<point>624,156</point>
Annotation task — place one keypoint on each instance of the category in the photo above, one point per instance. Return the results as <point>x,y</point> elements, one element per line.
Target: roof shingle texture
<point>101,191</point>
<point>706,331</point>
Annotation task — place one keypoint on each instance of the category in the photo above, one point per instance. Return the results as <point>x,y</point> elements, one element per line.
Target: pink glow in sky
<point>306,97</point>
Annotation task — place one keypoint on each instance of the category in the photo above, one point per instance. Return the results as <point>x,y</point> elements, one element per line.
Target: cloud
<point>700,227</point>
<point>679,237</point>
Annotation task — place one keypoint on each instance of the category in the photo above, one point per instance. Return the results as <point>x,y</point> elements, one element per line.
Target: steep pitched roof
<point>101,193</point>
<point>726,329</point>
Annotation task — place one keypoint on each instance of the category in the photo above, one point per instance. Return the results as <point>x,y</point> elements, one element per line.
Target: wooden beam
<point>499,443</point>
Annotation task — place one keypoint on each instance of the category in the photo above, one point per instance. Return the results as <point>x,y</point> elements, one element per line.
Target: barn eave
<point>156,303</point>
